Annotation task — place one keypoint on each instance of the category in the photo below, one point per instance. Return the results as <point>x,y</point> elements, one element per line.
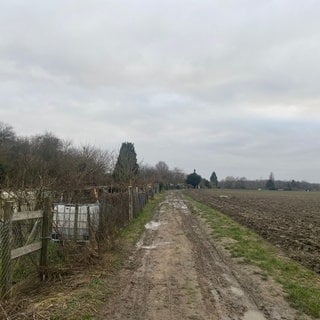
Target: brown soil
<point>290,220</point>
<point>178,272</point>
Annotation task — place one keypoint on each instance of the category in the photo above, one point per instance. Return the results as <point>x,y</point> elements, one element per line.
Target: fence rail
<point>25,239</point>
<point>26,215</point>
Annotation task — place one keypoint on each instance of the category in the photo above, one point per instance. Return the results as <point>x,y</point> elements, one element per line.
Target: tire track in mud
<point>219,285</point>
<point>176,272</point>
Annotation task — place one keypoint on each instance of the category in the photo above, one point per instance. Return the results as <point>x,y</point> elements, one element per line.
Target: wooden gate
<point>30,245</point>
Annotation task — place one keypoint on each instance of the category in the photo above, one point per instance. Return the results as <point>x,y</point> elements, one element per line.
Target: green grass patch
<point>133,231</point>
<point>302,286</point>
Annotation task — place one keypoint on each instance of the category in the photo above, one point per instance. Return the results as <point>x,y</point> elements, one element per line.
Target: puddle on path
<point>149,247</point>
<point>156,245</point>
<point>237,291</point>
<point>153,225</point>
<point>253,315</point>
<point>140,245</point>
<point>153,246</point>
<point>179,205</point>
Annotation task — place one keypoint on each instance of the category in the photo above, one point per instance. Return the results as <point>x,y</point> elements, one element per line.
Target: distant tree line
<point>45,162</point>
<point>196,181</point>
<point>268,184</point>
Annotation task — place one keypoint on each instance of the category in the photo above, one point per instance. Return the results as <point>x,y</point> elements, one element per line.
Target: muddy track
<point>177,272</point>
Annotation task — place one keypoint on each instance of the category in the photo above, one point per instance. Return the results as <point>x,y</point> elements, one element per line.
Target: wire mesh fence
<point>5,245</point>
<point>81,232</point>
<point>20,242</point>
<point>71,234</point>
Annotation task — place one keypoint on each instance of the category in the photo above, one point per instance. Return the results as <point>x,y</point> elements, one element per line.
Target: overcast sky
<point>229,86</point>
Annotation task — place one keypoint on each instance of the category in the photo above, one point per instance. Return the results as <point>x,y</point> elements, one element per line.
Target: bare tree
<point>45,162</point>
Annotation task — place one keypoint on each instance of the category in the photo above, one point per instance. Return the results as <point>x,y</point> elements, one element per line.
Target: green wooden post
<point>6,233</point>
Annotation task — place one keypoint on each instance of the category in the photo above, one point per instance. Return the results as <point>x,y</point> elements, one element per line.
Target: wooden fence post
<point>89,224</point>
<point>75,227</point>
<point>130,191</point>
<point>6,234</point>
<point>45,236</point>
<point>101,226</point>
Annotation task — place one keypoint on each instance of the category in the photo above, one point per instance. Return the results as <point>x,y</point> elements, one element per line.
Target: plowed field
<point>290,220</point>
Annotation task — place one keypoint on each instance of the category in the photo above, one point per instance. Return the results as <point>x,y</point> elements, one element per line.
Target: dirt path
<point>176,272</point>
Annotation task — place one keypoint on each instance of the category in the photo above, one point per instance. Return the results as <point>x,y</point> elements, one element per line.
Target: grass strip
<point>133,231</point>
<point>84,302</point>
<point>301,285</point>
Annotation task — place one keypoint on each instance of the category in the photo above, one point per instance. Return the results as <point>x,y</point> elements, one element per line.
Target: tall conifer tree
<point>126,167</point>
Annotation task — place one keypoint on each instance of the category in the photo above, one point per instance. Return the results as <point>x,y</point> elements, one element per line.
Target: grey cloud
<point>217,85</point>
